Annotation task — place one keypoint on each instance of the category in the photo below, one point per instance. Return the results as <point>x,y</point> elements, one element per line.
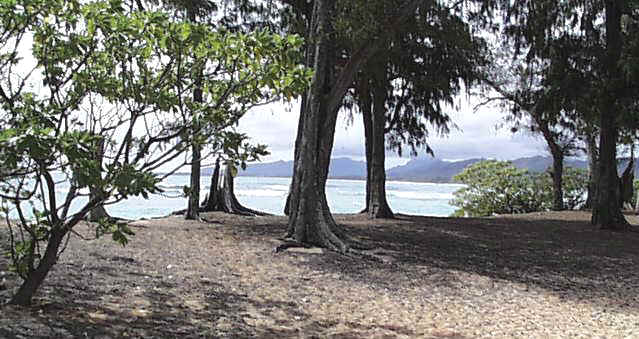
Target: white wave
<point>171,187</point>
<point>421,195</point>
<point>277,187</point>
<point>261,193</point>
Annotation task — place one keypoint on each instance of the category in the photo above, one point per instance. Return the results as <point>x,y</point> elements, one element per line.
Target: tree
<point>102,75</point>
<point>310,220</point>
<point>526,89</point>
<point>221,196</point>
<point>402,90</point>
<point>538,25</point>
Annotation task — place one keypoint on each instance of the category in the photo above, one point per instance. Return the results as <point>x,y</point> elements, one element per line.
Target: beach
<point>538,275</point>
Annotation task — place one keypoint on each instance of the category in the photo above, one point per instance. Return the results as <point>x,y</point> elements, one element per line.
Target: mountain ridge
<point>422,169</point>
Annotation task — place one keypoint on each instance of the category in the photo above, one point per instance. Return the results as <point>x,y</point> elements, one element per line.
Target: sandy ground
<point>539,275</point>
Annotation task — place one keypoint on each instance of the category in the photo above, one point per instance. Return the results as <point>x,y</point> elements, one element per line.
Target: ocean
<point>269,195</point>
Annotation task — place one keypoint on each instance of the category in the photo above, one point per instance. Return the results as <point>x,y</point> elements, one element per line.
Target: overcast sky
<point>276,126</point>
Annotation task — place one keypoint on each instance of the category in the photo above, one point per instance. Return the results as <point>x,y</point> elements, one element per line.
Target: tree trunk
<point>377,204</point>
<point>192,210</point>
<point>310,221</point>
<point>627,180</point>
<point>607,212</point>
<point>593,168</point>
<point>221,197</point>
<point>298,140</point>
<point>365,103</point>
<point>558,154</point>
<point>557,182</point>
<point>99,212</point>
<point>35,278</point>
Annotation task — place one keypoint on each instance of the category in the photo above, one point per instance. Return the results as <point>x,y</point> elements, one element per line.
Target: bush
<point>498,187</point>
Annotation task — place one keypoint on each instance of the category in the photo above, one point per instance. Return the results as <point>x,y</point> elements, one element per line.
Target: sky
<point>477,137</point>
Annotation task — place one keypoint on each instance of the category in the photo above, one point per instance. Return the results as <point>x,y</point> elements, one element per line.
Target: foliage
<point>104,101</point>
<point>575,187</point>
<point>498,187</point>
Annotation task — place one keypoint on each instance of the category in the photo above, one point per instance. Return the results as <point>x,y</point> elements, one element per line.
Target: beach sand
<point>538,275</point>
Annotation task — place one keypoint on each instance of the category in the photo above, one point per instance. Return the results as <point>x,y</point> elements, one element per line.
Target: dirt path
<point>541,275</point>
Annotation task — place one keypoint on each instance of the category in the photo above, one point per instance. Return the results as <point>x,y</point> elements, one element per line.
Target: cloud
<point>276,126</point>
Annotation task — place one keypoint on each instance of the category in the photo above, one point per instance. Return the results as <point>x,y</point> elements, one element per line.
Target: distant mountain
<point>271,169</point>
<point>429,169</point>
<point>340,168</point>
<point>540,164</point>
<point>420,169</point>
<point>435,170</point>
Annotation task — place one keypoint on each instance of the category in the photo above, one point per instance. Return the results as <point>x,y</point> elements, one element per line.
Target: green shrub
<point>498,187</point>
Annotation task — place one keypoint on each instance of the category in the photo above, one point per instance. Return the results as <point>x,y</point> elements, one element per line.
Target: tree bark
<point>607,212</point>
<point>192,210</point>
<point>593,167</point>
<point>99,212</point>
<point>35,278</point>
<point>221,197</point>
<point>557,165</point>
<point>310,221</point>
<point>557,182</point>
<point>377,203</point>
<point>365,103</point>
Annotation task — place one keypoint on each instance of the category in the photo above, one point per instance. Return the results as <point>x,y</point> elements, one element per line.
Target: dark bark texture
<point>35,278</point>
<point>310,221</point>
<point>557,167</point>
<point>607,212</point>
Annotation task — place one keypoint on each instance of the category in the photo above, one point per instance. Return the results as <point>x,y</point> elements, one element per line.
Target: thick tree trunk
<point>607,211</point>
<point>377,204</point>
<point>310,221</point>
<point>593,168</point>
<point>35,278</point>
<point>221,197</point>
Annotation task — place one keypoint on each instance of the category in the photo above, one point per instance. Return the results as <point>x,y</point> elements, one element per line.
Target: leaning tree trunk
<point>593,169</point>
<point>376,181</point>
<point>34,279</point>
<point>557,164</point>
<point>310,220</point>
<point>99,212</point>
<point>221,197</point>
<point>607,212</point>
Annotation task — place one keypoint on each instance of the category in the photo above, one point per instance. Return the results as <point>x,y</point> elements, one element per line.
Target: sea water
<point>269,195</point>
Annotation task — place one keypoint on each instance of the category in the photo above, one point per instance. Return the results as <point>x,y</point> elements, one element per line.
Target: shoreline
<point>399,180</point>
